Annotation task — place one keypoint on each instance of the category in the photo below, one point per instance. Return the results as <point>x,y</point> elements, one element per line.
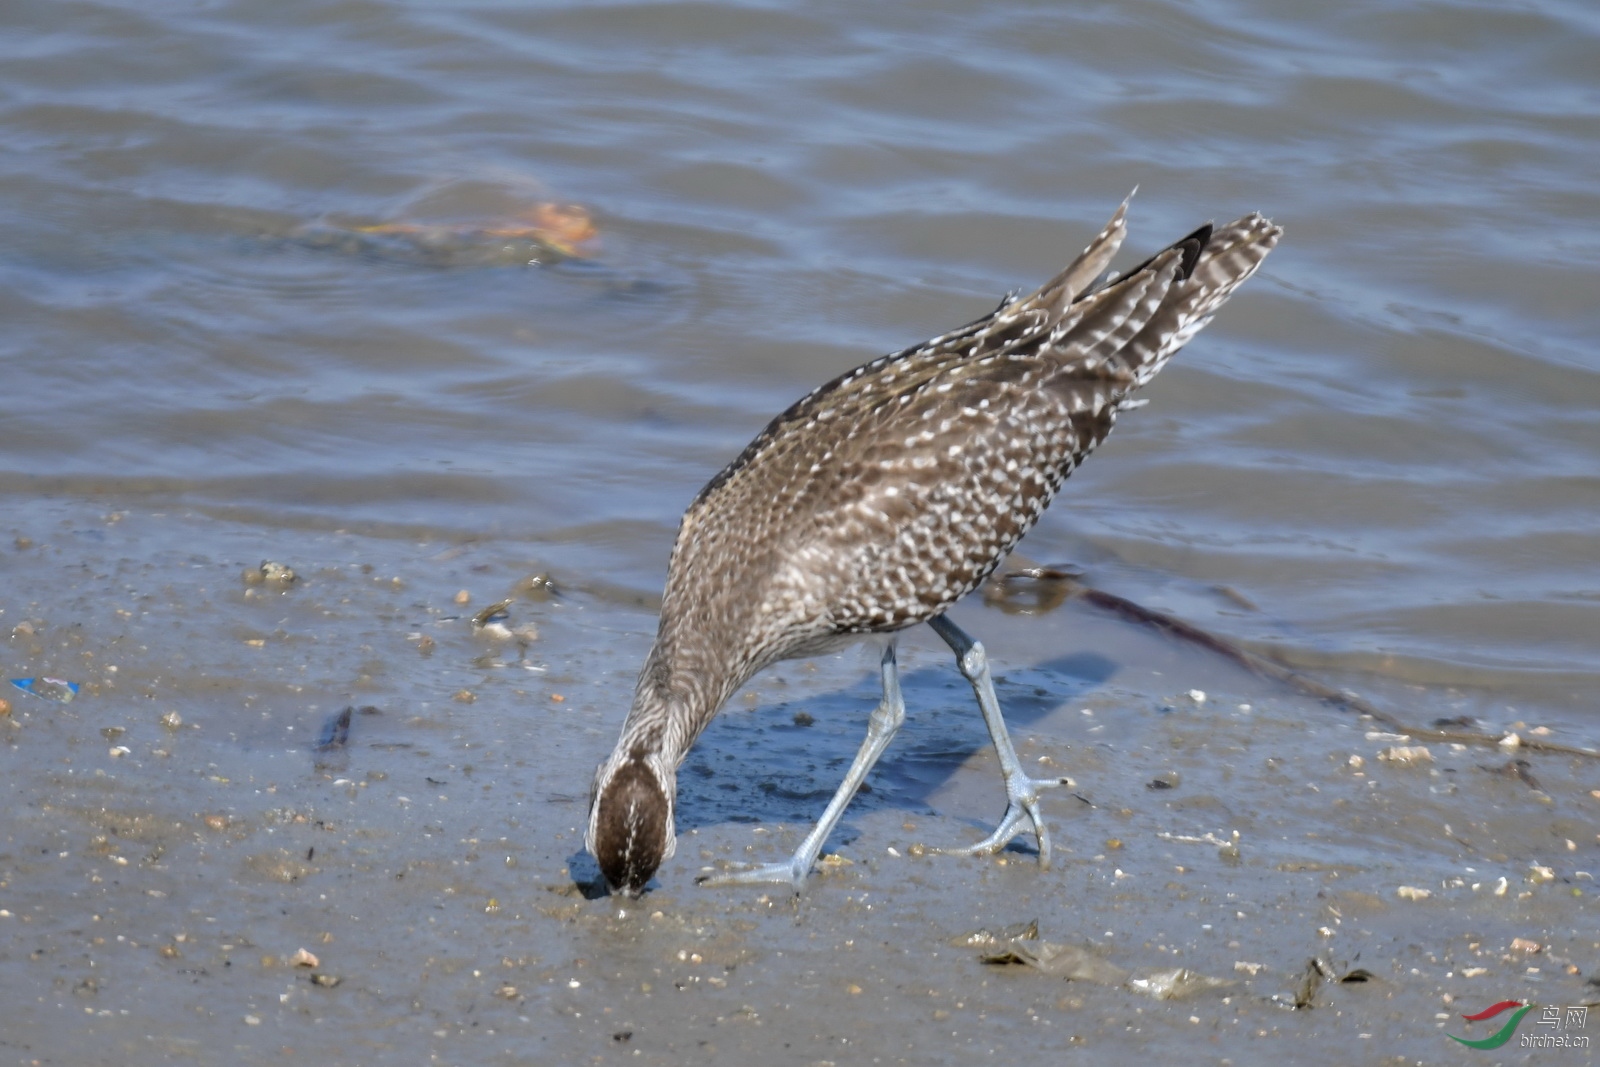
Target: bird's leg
<point>881,727</point>
<point>1022,792</point>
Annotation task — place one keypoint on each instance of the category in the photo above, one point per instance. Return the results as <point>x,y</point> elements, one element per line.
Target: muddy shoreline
<point>158,880</point>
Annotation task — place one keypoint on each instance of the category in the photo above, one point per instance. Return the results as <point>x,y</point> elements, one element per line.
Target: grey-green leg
<point>1022,792</point>
<point>881,727</point>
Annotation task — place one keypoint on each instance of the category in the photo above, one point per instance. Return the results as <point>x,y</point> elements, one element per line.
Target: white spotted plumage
<point>882,497</point>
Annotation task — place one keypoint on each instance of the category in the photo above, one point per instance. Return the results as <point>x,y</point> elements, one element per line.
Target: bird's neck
<point>680,690</point>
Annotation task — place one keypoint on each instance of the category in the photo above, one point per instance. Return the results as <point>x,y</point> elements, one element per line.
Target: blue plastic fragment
<point>48,688</point>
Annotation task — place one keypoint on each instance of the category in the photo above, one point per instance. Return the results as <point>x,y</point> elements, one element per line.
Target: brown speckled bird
<point>882,498</point>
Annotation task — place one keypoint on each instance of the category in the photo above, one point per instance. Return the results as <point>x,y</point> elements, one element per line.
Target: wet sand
<point>157,879</point>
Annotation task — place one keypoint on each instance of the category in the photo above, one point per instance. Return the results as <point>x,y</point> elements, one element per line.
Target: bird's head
<point>630,819</point>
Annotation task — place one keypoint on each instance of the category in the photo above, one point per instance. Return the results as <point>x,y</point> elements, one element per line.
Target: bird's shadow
<point>586,876</point>
<point>780,762</point>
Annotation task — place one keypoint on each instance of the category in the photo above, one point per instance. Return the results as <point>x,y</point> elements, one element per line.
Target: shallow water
<point>1379,464</point>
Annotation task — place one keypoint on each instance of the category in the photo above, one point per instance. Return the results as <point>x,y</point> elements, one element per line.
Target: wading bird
<point>882,498</point>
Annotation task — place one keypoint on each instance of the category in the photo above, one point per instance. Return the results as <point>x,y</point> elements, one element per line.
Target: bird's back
<point>884,496</point>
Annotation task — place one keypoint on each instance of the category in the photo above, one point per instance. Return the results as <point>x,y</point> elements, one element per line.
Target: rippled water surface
<point>270,289</point>
<point>1388,445</point>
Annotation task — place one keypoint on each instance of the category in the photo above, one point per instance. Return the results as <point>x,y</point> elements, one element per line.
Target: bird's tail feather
<point>1059,292</point>
<point>1226,258</point>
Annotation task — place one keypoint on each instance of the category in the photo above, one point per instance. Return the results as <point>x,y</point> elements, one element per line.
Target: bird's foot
<point>791,872</point>
<point>1022,802</point>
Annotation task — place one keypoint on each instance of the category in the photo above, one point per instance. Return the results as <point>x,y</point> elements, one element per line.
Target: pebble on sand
<point>1406,755</point>
<point>270,573</point>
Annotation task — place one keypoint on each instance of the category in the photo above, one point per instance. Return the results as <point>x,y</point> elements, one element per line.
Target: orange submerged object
<point>562,227</point>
